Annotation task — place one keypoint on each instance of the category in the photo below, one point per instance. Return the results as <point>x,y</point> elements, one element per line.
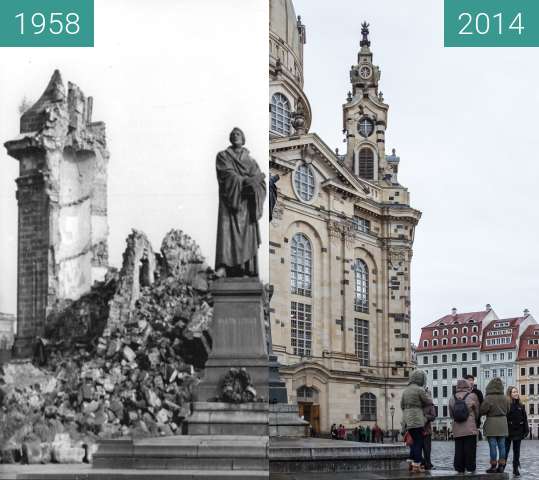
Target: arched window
<point>455,331</point>
<point>475,329</point>
<point>435,333</point>
<point>465,330</point>
<point>367,406</point>
<point>304,182</point>
<point>435,343</point>
<point>464,339</point>
<point>280,114</point>
<point>453,341</point>
<point>301,265</point>
<point>361,301</point>
<point>366,163</point>
<point>425,343</point>
<point>445,332</point>
<point>444,341</point>
<point>474,339</point>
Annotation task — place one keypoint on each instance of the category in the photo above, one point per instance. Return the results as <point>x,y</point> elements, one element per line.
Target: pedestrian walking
<point>414,399</point>
<point>464,410</point>
<point>517,426</point>
<point>495,407</point>
<point>333,432</point>
<point>430,414</point>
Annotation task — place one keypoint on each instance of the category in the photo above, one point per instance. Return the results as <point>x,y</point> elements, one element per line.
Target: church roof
<point>283,23</point>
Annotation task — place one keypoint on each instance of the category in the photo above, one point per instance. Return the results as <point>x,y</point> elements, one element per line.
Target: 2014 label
<point>482,23</point>
<point>56,23</point>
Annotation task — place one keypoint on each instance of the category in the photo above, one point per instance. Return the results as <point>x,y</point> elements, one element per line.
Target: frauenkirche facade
<point>340,245</point>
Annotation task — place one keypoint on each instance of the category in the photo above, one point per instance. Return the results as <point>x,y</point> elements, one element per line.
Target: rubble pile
<point>125,371</point>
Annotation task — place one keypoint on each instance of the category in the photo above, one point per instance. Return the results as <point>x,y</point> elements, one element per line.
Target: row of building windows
<point>487,373</point>
<point>494,333</point>
<point>532,353</point>
<point>454,331</point>
<point>444,357</point>
<point>494,356</point>
<point>454,341</point>
<point>454,373</point>
<point>498,341</point>
<point>531,371</point>
<point>530,390</point>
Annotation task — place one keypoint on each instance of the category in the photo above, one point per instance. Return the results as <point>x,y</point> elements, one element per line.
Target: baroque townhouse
<point>528,374</point>
<point>499,349</point>
<point>449,349</point>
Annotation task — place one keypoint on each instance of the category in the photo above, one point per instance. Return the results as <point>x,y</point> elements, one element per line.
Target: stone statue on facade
<point>242,191</point>
<point>272,194</point>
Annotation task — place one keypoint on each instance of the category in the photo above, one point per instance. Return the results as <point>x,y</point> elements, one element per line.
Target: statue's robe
<point>240,208</point>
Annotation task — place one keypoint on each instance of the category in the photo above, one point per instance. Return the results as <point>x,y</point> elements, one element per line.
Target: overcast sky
<point>170,78</point>
<point>464,122</point>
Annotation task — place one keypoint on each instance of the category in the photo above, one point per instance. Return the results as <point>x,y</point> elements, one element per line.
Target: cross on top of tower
<point>365,35</point>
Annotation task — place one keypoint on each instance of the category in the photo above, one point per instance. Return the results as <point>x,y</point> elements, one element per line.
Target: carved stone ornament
<point>237,387</point>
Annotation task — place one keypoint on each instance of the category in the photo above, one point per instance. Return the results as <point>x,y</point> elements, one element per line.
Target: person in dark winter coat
<point>517,425</point>
<point>478,394</point>
<point>495,407</point>
<point>464,430</point>
<point>430,414</point>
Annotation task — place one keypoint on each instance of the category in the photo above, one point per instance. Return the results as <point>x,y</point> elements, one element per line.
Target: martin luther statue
<point>242,191</point>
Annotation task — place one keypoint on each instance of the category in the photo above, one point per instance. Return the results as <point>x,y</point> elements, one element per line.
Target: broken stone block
<point>128,354</point>
<point>163,416</point>
<point>67,454</point>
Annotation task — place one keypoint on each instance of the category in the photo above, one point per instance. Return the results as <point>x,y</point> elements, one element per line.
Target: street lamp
<point>392,412</point>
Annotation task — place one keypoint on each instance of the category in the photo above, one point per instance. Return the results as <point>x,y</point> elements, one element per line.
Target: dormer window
<point>435,333</point>
<point>425,343</point>
<point>445,332</point>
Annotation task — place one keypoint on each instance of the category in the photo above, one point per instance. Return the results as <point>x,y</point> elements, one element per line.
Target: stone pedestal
<point>284,421</point>
<point>238,337</point>
<point>217,418</point>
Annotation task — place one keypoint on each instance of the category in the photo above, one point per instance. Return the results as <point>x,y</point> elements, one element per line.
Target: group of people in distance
<point>359,434</point>
<point>506,423</point>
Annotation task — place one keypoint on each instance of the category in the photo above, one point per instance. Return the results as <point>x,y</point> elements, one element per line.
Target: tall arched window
<point>361,300</point>
<point>301,265</point>
<point>367,406</point>
<point>304,182</point>
<point>280,114</point>
<point>366,163</point>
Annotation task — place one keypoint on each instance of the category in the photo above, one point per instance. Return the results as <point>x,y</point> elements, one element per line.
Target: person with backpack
<point>495,407</point>
<point>517,425</point>
<point>464,410</point>
<point>414,399</point>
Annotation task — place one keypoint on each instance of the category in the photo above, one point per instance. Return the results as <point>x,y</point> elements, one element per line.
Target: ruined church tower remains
<point>62,200</point>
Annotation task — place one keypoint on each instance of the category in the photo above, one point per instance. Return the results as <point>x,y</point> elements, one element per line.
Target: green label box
<point>491,23</point>
<point>46,23</point>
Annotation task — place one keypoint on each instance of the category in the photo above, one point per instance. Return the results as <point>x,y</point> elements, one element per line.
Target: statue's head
<point>237,137</point>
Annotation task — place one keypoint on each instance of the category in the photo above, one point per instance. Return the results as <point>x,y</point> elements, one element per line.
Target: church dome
<point>284,24</point>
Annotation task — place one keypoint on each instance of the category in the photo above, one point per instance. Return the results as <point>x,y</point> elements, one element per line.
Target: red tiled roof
<point>450,322</point>
<point>514,324</point>
<point>528,334</point>
<point>460,319</point>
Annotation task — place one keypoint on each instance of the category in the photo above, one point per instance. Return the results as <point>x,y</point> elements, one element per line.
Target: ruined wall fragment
<point>61,193</point>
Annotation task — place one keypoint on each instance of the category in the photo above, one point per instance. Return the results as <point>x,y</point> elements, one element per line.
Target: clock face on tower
<point>365,72</point>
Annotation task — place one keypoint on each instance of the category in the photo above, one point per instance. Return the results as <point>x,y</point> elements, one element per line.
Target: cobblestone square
<point>442,457</point>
